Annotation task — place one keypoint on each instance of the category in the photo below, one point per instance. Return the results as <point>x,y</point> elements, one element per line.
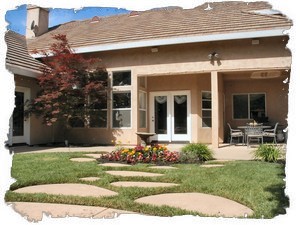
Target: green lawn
<point>258,185</point>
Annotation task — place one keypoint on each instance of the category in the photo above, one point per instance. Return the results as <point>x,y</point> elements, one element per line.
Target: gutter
<point>177,40</point>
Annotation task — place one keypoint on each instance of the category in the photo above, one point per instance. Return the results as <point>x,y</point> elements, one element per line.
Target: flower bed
<point>139,154</point>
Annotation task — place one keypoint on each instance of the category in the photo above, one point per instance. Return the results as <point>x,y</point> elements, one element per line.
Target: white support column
<point>215,109</point>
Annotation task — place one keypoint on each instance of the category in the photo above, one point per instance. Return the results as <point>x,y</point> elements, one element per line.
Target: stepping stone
<point>82,190</point>
<point>203,203</point>
<point>221,160</point>
<point>133,174</point>
<point>89,178</point>
<point>142,184</point>
<point>82,160</point>
<point>96,156</point>
<point>114,164</point>
<point>212,165</point>
<point>162,167</point>
<point>34,211</point>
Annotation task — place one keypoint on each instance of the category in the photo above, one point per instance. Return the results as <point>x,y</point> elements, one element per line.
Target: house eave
<point>23,71</point>
<point>177,40</point>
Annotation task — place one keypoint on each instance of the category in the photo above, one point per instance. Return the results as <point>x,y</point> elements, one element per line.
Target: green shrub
<point>268,153</point>
<point>196,152</point>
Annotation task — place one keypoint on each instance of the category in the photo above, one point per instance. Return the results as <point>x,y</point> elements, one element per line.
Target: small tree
<point>71,85</point>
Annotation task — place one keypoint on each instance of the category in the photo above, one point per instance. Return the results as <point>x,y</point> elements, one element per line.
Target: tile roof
<point>223,18</point>
<point>17,53</point>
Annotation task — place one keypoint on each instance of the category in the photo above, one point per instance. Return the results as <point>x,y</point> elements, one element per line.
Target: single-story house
<point>182,74</point>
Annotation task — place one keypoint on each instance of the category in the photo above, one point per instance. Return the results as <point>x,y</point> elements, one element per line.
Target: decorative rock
<point>133,174</point>
<point>142,184</point>
<point>82,190</point>
<point>203,203</point>
<point>82,159</point>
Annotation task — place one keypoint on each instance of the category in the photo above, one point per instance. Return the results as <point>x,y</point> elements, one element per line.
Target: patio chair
<point>236,133</point>
<point>271,133</point>
<point>254,133</point>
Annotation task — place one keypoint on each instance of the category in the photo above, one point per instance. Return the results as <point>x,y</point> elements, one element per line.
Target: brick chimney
<point>37,21</point>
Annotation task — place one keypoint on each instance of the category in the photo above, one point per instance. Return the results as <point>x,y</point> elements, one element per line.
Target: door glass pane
<point>180,114</point>
<point>18,115</point>
<point>160,106</point>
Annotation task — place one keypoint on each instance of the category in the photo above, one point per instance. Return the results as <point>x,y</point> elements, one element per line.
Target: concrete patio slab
<point>203,203</point>
<point>142,184</point>
<point>83,190</point>
<point>133,173</point>
<point>224,152</point>
<point>34,211</point>
<point>83,160</point>
<point>89,178</point>
<point>114,164</point>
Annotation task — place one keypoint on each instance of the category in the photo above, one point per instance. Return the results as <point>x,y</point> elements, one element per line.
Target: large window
<point>143,109</point>
<point>92,109</point>
<point>121,78</point>
<point>121,99</point>
<point>206,109</point>
<point>249,106</point>
<point>121,109</point>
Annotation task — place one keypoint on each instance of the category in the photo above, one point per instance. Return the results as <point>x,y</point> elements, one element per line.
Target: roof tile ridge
<point>252,12</point>
<point>283,17</point>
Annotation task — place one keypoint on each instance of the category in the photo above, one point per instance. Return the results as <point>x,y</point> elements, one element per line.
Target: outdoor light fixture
<point>213,56</point>
<point>154,49</point>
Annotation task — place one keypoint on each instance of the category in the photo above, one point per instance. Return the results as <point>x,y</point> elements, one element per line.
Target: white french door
<point>170,116</point>
<point>19,126</point>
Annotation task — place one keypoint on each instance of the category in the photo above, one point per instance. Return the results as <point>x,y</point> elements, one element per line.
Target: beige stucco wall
<point>186,67</point>
<point>39,132</point>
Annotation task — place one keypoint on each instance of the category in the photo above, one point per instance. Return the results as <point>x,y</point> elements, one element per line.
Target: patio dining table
<point>263,126</point>
<point>253,135</point>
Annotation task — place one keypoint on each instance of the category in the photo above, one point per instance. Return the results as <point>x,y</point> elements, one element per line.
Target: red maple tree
<point>71,85</point>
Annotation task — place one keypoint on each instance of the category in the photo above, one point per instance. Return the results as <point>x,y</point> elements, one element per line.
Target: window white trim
<point>144,110</point>
<point>120,109</point>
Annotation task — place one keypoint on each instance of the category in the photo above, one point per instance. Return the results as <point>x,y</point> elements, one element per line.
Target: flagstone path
<point>142,184</point>
<point>114,164</point>
<point>212,165</point>
<point>83,190</point>
<point>203,203</point>
<point>83,159</point>
<point>132,173</point>
<point>94,155</point>
<point>162,167</point>
<point>89,178</point>
<point>33,211</point>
